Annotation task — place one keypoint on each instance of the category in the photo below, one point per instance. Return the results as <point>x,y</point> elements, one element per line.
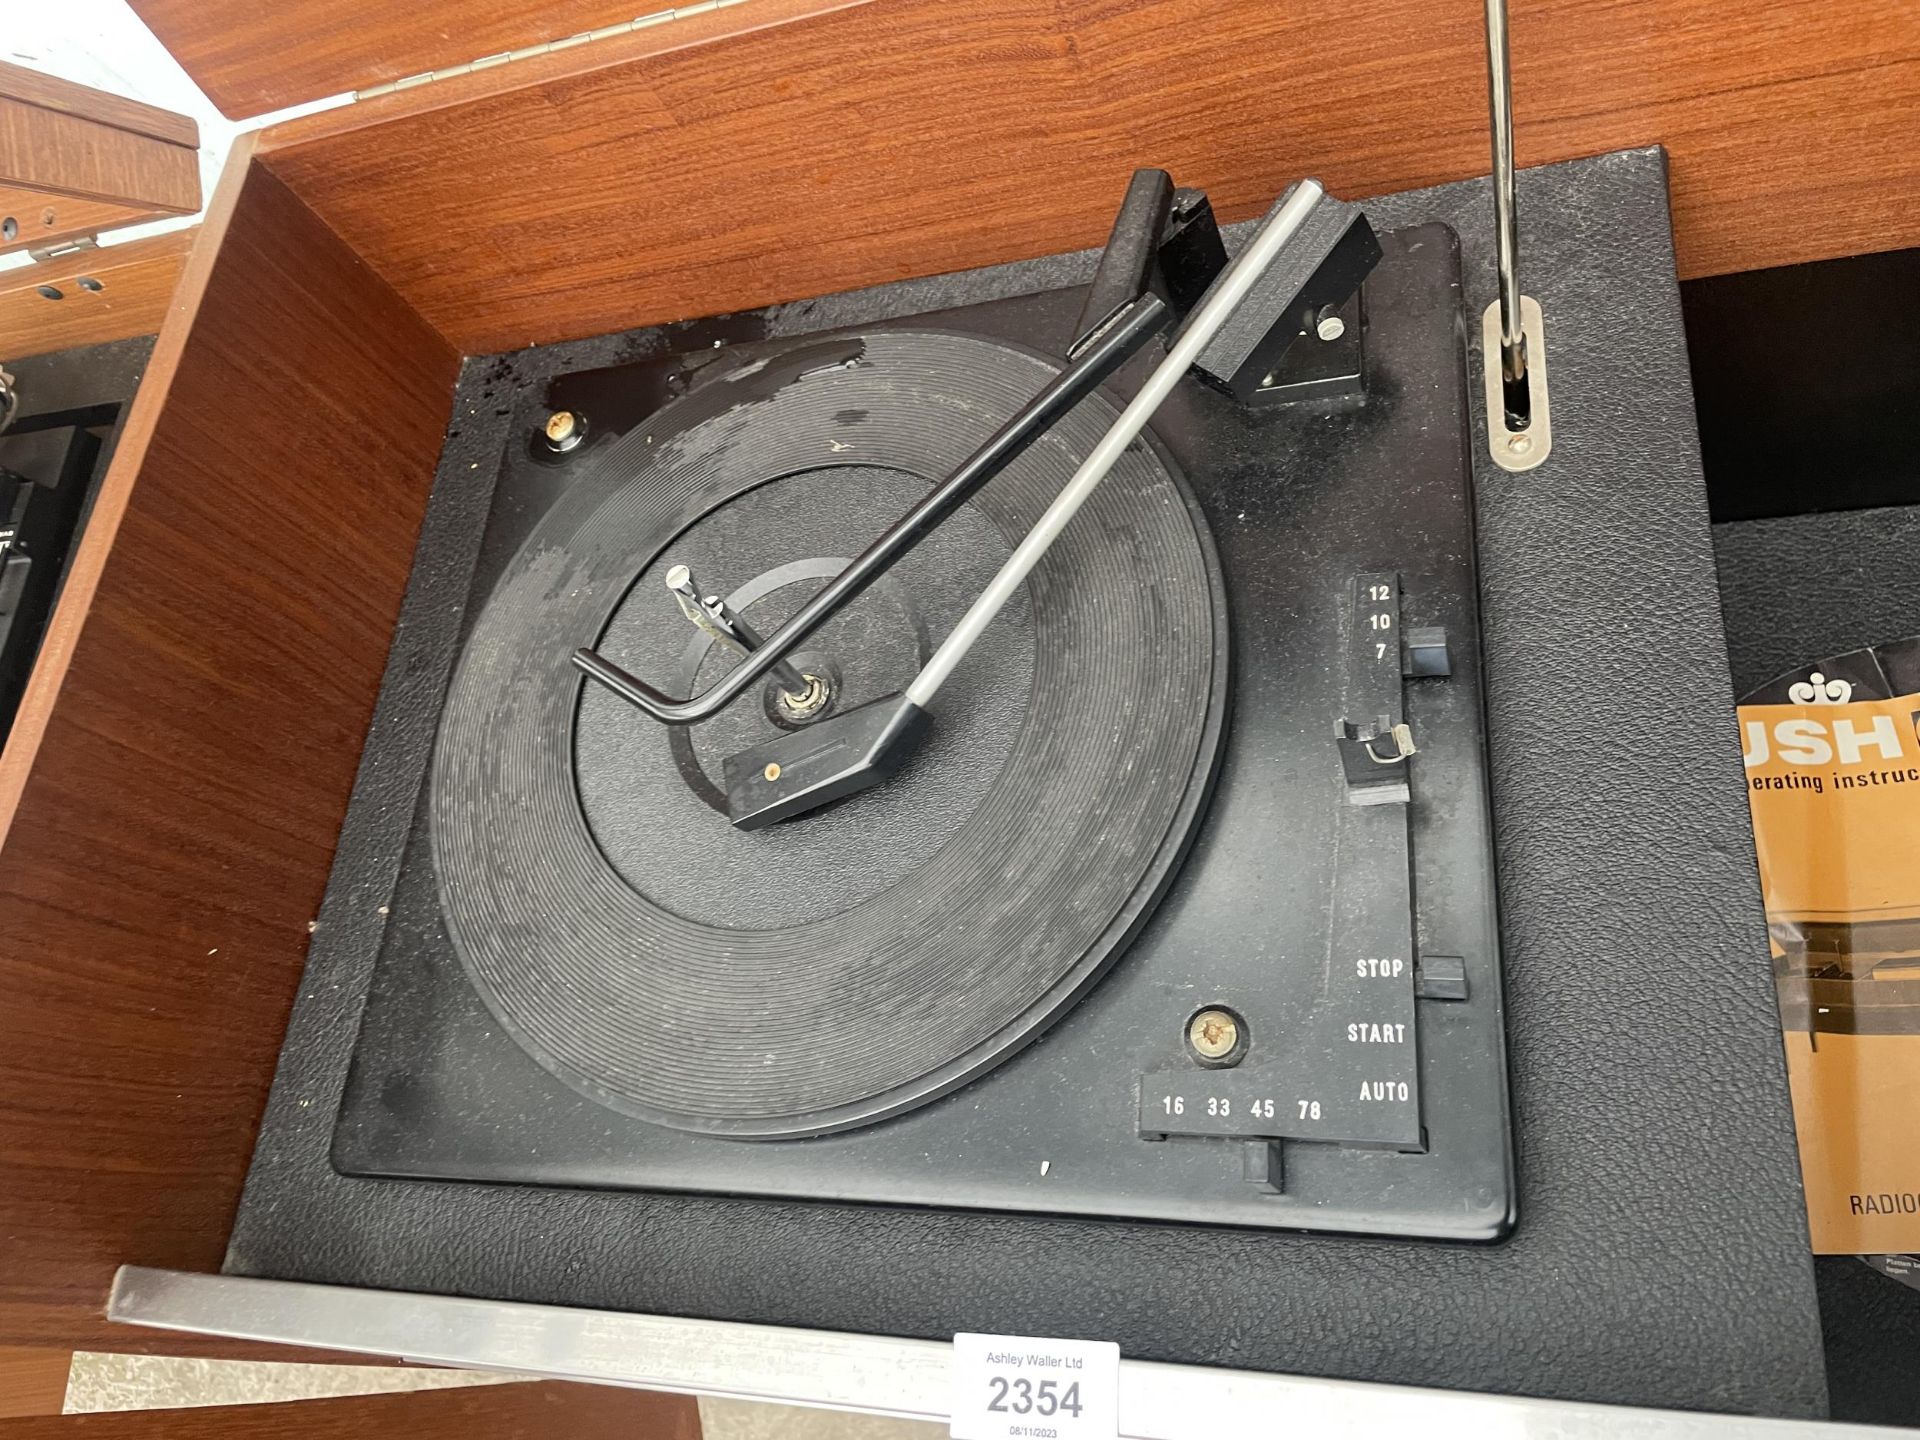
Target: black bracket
<point>1311,286</point>
<point>826,762</point>
<point>1296,336</point>
<point>1164,242</point>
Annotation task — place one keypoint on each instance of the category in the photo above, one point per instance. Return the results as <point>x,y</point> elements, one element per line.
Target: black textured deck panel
<point>1660,1257</point>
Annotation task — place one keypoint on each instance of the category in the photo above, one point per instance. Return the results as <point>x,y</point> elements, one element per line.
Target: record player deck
<point>1176,903</point>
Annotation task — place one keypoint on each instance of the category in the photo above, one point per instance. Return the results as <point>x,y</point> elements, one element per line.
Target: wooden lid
<point>76,161</point>
<point>251,57</point>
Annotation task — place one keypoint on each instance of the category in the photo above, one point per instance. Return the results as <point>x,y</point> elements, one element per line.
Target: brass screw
<point>564,430</point>
<point>772,772</point>
<point>1214,1034</point>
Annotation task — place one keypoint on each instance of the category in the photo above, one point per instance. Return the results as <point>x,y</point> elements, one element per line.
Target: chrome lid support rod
<point>1517,426</point>
<point>1506,218</point>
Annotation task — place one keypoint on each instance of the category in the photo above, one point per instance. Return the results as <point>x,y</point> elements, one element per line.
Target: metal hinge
<point>505,57</point>
<point>72,245</point>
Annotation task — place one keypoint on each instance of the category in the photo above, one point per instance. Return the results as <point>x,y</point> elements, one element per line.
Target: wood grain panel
<point>130,286</point>
<point>537,1410</point>
<point>689,28</point>
<point>40,219</point>
<point>251,58</point>
<point>50,92</point>
<point>63,154</point>
<point>908,137</point>
<point>32,1382</point>
<point>215,657</point>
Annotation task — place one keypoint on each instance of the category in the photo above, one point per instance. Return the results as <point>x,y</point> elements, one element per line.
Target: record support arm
<point>1120,341</point>
<point>1163,258</point>
<point>1162,254</point>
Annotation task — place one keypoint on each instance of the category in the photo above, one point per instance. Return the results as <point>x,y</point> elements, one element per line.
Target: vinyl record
<point>861,960</point>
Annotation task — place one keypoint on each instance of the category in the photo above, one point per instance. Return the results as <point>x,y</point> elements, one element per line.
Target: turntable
<point>989,758</point>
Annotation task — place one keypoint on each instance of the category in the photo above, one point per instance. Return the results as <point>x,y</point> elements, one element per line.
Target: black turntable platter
<point>826,972</point>
<point>976,984</point>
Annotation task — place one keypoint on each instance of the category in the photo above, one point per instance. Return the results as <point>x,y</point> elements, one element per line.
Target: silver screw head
<point>808,702</point>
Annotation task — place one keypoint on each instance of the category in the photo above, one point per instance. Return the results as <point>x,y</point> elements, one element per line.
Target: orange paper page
<point>1835,791</point>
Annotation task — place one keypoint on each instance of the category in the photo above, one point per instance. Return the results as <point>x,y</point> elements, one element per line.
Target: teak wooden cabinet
<point>173,790</point>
